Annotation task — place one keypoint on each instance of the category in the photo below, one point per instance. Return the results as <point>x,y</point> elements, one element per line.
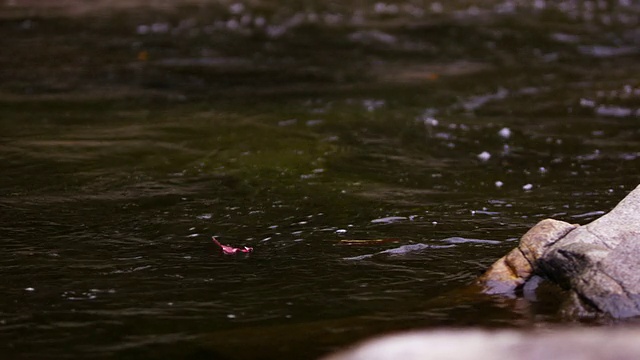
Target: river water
<point>377,157</point>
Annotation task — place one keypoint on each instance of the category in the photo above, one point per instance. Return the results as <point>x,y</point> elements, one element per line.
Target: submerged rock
<point>598,262</point>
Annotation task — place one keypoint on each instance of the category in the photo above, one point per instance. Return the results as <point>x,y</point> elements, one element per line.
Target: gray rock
<point>566,344</point>
<point>600,261</point>
<point>513,270</point>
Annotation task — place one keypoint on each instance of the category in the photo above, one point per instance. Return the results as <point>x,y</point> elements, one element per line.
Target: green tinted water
<point>130,136</point>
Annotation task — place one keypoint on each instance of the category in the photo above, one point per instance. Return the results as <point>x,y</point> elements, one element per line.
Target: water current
<point>376,157</point>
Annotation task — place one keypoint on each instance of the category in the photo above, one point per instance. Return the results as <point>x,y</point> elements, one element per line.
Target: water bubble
<point>236,8</point>
<point>429,121</point>
<point>233,24</point>
<point>499,184</point>
<point>587,103</point>
<point>484,156</point>
<point>505,133</point>
<point>259,21</point>
<point>160,28</point>
<point>527,187</point>
<point>539,4</point>
<point>383,8</point>
<point>142,29</point>
<point>274,31</point>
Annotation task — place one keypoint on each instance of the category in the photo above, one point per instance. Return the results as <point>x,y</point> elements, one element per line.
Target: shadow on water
<point>346,143</point>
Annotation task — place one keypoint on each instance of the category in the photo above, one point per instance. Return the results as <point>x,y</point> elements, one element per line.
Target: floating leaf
<point>229,250</point>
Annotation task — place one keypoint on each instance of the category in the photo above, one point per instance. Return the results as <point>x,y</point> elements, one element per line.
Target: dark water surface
<point>131,134</point>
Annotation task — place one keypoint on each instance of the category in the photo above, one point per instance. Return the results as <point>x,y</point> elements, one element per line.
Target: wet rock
<point>566,344</point>
<point>599,262</point>
<point>514,269</point>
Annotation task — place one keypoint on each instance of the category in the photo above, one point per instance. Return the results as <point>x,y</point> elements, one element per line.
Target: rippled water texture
<point>376,156</point>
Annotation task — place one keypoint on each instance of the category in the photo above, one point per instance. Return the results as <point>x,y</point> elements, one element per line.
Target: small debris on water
<point>341,231</point>
<point>499,184</point>
<point>505,133</point>
<point>587,103</point>
<point>429,121</point>
<point>527,187</point>
<point>29,289</point>
<point>229,250</point>
<point>484,156</point>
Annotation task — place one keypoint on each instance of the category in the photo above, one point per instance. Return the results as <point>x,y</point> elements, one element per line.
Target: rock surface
<point>566,344</point>
<point>598,262</point>
<point>514,269</point>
